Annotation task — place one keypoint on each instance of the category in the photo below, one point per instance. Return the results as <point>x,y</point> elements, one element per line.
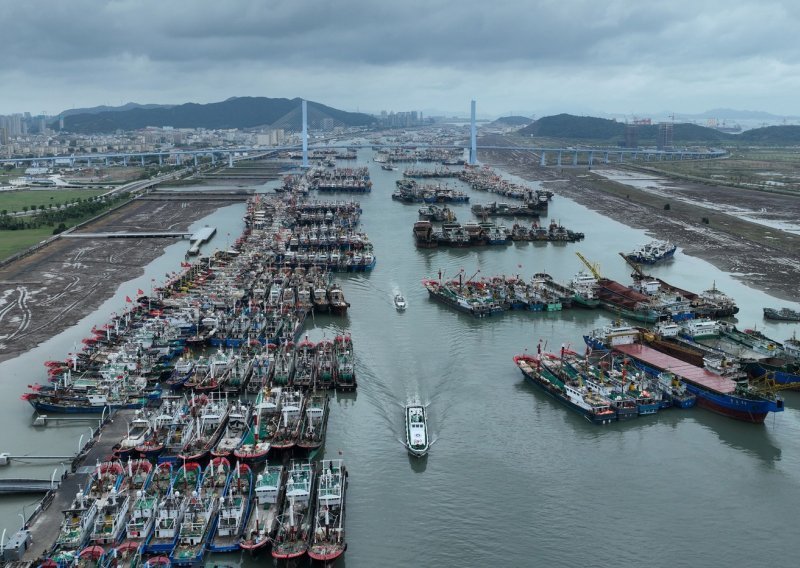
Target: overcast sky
<point>616,56</point>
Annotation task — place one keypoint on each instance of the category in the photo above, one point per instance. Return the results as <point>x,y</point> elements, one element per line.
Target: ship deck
<point>681,369</point>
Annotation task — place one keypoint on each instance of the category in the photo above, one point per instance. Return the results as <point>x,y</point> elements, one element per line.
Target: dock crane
<point>594,268</point>
<point>636,268</point>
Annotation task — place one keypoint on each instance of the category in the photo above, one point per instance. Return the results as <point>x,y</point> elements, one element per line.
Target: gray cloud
<point>613,55</point>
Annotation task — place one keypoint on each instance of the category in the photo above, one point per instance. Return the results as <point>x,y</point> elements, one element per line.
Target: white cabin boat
<point>416,430</point>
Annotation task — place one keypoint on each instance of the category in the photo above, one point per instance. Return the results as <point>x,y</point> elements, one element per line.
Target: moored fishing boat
<point>236,429</point>
<point>296,521</point>
<point>345,378</point>
<point>170,412</point>
<point>267,502</point>
<point>140,430</point>
<point>172,508</point>
<point>539,371</point>
<point>76,528</point>
<point>266,416</point>
<point>315,421</point>
<point>305,364</point>
<point>210,425</point>
<point>144,509</point>
<point>328,542</point>
<point>234,509</point>
<point>325,365</point>
<point>782,314</point>
<point>417,442</point>
<point>287,433</point>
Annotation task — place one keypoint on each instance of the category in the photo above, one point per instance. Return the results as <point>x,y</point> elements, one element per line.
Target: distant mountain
<point>104,108</point>
<point>777,135</point>
<point>604,131</point>
<point>513,121</point>
<point>577,127</point>
<point>238,112</point>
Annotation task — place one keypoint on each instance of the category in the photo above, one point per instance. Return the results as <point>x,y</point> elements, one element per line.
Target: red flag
<point>140,292</point>
<point>128,299</point>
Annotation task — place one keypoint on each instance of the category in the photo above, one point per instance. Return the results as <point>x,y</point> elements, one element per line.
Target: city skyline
<point>576,57</point>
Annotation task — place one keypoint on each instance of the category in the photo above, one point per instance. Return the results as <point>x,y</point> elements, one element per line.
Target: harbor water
<point>513,478</point>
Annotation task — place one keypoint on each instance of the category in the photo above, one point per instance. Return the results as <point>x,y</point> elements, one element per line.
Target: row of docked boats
<point>484,178</point>
<point>212,488</point>
<point>409,191</point>
<point>487,233</point>
<point>487,296</point>
<point>175,515</point>
<point>741,388</point>
<point>236,300</point>
<point>340,179</point>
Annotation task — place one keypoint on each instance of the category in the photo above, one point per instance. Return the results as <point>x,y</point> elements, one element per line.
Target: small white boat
<point>416,430</point>
<point>399,302</point>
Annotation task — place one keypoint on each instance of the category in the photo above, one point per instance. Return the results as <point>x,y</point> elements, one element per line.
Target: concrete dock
<point>45,522</point>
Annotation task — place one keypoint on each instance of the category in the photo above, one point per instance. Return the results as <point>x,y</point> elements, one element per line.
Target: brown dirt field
<point>764,258</point>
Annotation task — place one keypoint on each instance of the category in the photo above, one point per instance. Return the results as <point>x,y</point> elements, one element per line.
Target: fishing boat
<point>652,252</point>
<point>315,421</point>
<point>266,417</point>
<point>305,364</point>
<point>194,530</point>
<point>234,509</point>
<point>126,555</point>
<point>235,430</point>
<point>140,430</point>
<point>172,508</point>
<point>325,365</point>
<point>287,433</point>
<point>416,430</point>
<point>328,542</point>
<point>284,365</point>
<point>144,510</point>
<point>296,521</point>
<point>76,528</point>
<point>199,521</point>
<point>171,412</point>
<point>399,302</point>
<point>345,363</point>
<point>541,371</point>
<point>208,430</point>
<point>267,502</point>
<point>782,314</point>
<point>337,302</point>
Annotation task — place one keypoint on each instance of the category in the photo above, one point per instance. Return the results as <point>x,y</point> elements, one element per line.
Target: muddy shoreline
<point>763,257</point>
<point>58,285</point>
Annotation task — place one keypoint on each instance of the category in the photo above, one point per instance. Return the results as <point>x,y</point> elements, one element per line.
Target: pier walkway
<point>45,522</point>
<point>126,235</point>
<point>10,486</point>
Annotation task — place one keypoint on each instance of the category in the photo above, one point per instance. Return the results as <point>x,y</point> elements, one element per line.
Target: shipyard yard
<point>501,447</point>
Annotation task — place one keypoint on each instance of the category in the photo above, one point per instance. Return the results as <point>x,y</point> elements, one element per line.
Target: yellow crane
<point>594,268</point>
<point>636,268</point>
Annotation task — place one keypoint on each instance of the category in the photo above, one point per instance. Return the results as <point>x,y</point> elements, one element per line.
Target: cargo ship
<point>714,392</point>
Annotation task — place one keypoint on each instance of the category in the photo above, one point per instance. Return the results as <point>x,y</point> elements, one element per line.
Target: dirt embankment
<point>763,257</point>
